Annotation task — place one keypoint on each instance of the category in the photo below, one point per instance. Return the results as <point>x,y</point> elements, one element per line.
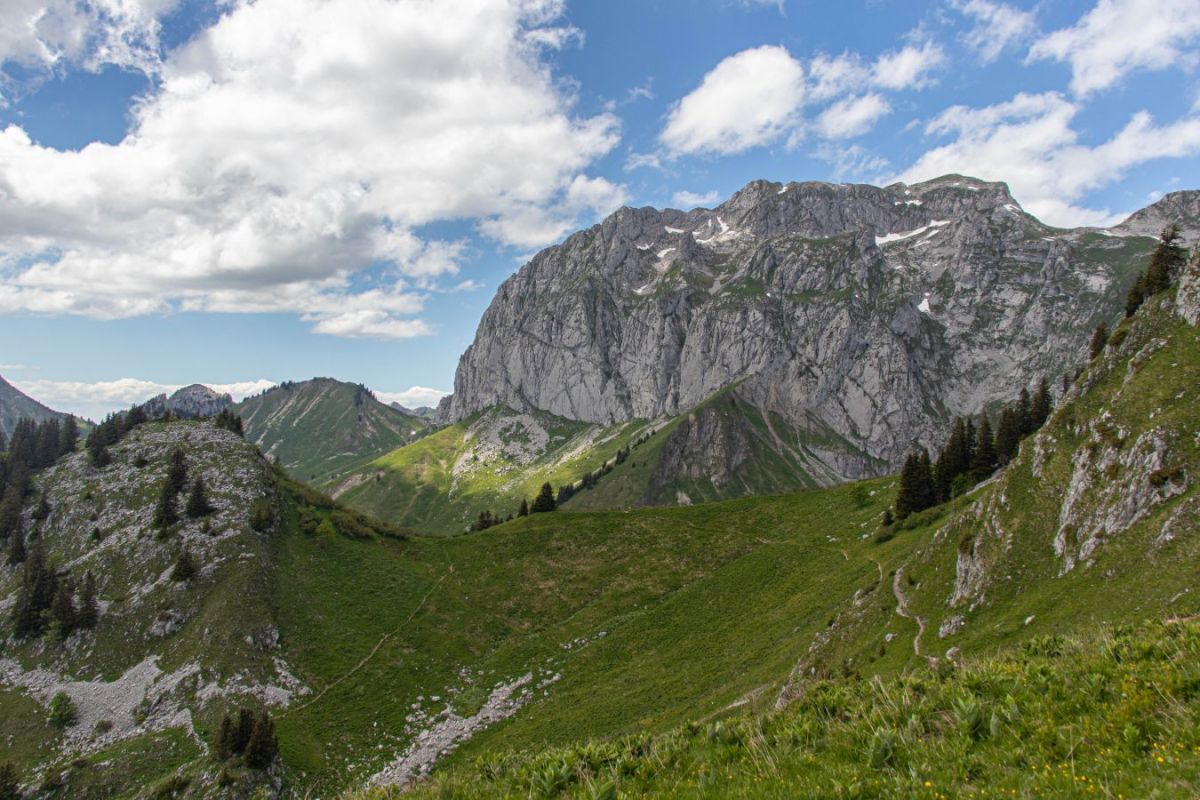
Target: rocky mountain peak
<point>869,314</point>
<point>195,400</point>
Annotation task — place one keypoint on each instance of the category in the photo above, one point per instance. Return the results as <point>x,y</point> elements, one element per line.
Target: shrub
<point>262,515</point>
<point>62,710</point>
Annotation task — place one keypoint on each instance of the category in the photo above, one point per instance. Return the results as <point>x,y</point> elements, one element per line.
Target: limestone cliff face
<point>191,401</point>
<point>872,313</point>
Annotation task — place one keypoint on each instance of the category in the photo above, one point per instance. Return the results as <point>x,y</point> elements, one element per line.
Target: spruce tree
<point>1136,296</point>
<point>70,436</point>
<point>185,567</point>
<point>523,511</point>
<point>983,460</point>
<point>36,593</point>
<point>177,471</point>
<point>1040,406</point>
<point>63,611</point>
<point>1008,435</point>
<point>545,500</point>
<point>165,512</point>
<point>3,442</point>
<point>197,503</point>
<point>888,519</point>
<point>89,608</point>
<point>908,497</point>
<point>1099,340</point>
<point>1024,411</point>
<point>1168,256</point>
<point>262,746</point>
<point>926,491</point>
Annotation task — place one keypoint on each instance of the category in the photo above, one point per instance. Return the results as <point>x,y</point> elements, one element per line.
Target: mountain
<point>191,401</point>
<point>15,405</point>
<point>380,656</point>
<point>322,428</point>
<point>861,319</point>
<point>424,412</point>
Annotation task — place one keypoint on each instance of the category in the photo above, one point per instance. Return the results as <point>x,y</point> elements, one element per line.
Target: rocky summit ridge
<point>862,315</point>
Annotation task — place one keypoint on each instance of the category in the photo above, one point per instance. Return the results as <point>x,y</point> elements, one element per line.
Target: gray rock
<point>872,314</point>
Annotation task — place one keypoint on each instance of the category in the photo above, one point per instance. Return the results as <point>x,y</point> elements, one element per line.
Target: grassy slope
<point>792,582</point>
<point>417,485</point>
<point>322,429</point>
<point>1106,714</point>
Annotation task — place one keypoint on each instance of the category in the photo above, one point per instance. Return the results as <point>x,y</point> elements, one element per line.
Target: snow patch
<point>898,237</point>
<point>784,189</point>
<point>923,306</point>
<point>669,229</point>
<point>644,246</point>
<point>663,253</point>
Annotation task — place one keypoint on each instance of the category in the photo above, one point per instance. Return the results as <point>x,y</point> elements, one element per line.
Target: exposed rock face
<point>870,313</point>
<point>1188,298</point>
<point>190,401</point>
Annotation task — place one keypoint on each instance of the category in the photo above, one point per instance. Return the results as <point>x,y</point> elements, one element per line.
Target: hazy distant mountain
<point>15,405</point>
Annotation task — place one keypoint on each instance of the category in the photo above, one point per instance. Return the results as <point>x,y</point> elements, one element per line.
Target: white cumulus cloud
<point>1030,142</point>
<point>748,99</point>
<point>852,116</point>
<point>1119,36</point>
<point>296,143</point>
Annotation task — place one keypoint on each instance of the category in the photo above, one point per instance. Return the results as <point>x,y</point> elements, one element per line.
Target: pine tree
<point>177,471</point>
<point>1168,256</point>
<point>89,608</point>
<point>1024,412</point>
<point>197,503</point>
<point>165,512</point>
<point>262,746</point>
<point>36,593</point>
<point>545,500</point>
<point>523,511</point>
<point>1040,406</point>
<point>185,567</point>
<point>1008,435</point>
<point>1136,296</point>
<point>916,491</point>
<point>63,611</point>
<point>983,461</point>
<point>1099,340</point>
<point>926,491</point>
<point>70,436</point>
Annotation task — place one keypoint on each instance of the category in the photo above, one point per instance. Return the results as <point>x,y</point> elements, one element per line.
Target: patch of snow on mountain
<point>897,237</point>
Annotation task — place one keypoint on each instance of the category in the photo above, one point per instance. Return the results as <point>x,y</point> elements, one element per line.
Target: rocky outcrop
<point>189,402</point>
<point>1187,300</point>
<point>872,313</point>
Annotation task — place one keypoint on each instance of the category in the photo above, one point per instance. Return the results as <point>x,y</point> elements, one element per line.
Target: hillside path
<point>902,610</point>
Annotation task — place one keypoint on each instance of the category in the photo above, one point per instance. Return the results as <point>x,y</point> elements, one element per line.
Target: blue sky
<point>241,193</point>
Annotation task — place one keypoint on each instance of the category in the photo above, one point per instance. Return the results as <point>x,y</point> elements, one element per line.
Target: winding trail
<point>383,640</point>
<point>902,610</point>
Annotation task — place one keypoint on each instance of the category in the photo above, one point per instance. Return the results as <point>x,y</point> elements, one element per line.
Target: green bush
<point>62,710</point>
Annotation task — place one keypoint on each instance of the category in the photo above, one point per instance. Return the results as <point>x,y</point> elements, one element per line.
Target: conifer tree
<point>197,503</point>
<point>1136,296</point>
<point>63,611</point>
<point>523,511</point>
<point>89,609</point>
<point>545,500</point>
<point>3,442</point>
<point>262,747</point>
<point>36,593</point>
<point>983,460</point>
<point>1099,340</point>
<point>1040,406</point>
<point>1008,435</point>
<point>165,512</point>
<point>1024,410</point>
<point>185,567</point>
<point>888,519</point>
<point>42,510</point>
<point>177,470</point>
<point>1168,256</point>
<point>70,435</point>
<point>926,491</point>
<point>916,491</point>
